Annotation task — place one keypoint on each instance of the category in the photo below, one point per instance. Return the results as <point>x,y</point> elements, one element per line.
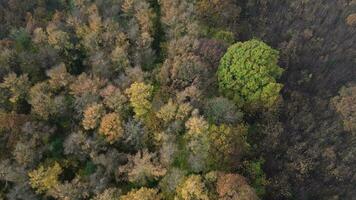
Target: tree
<point>248,74</point>
<point>183,70</point>
<point>44,103</point>
<point>12,121</point>
<point>193,188</point>
<point>234,187</point>
<point>227,145</point>
<point>59,77</point>
<point>197,142</point>
<point>168,111</point>
<point>345,106</point>
<point>45,178</point>
<point>140,98</point>
<point>143,168</point>
<point>17,85</point>
<point>92,115</point>
<point>85,83</point>
<point>171,181</point>
<point>218,13</point>
<point>135,134</point>
<point>142,194</point>
<point>257,176</point>
<point>221,110</point>
<point>211,51</point>
<point>111,127</point>
<point>108,194</point>
<point>114,99</point>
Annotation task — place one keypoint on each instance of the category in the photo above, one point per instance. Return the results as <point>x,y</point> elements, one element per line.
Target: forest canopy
<point>164,100</point>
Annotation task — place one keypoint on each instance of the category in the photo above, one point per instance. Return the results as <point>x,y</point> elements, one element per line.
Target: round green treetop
<point>248,72</point>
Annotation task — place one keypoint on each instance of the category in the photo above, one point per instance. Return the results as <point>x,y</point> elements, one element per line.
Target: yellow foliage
<point>43,179</point>
<point>192,188</point>
<point>197,126</point>
<point>140,95</point>
<point>17,85</point>
<point>142,194</point>
<point>168,112</point>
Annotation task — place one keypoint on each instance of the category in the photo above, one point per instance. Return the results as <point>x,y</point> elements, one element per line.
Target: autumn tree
<point>227,145</point>
<point>92,115</point>
<point>44,102</point>
<point>234,187</point>
<point>114,99</point>
<point>135,134</point>
<point>170,182</point>
<point>142,194</point>
<point>45,178</point>
<point>173,111</point>
<point>248,74</point>
<point>193,188</point>
<point>218,13</point>
<point>345,106</point>
<point>32,143</point>
<point>140,98</point>
<point>85,89</point>
<point>143,168</point>
<point>183,71</point>
<point>111,127</point>
<point>197,142</point>
<point>59,77</point>
<point>17,85</point>
<point>108,194</point>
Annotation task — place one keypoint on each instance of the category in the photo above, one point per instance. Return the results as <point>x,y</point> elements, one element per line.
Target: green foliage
<point>171,181</point>
<point>56,147</point>
<point>255,172</point>
<point>117,100</point>
<point>248,74</point>
<point>89,168</point>
<point>22,39</point>
<point>226,36</point>
<point>221,110</point>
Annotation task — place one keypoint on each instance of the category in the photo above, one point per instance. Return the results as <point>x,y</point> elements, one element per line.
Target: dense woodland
<point>177,99</point>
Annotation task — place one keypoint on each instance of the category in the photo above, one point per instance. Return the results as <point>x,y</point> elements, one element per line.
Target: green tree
<point>248,74</point>
<point>257,176</point>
